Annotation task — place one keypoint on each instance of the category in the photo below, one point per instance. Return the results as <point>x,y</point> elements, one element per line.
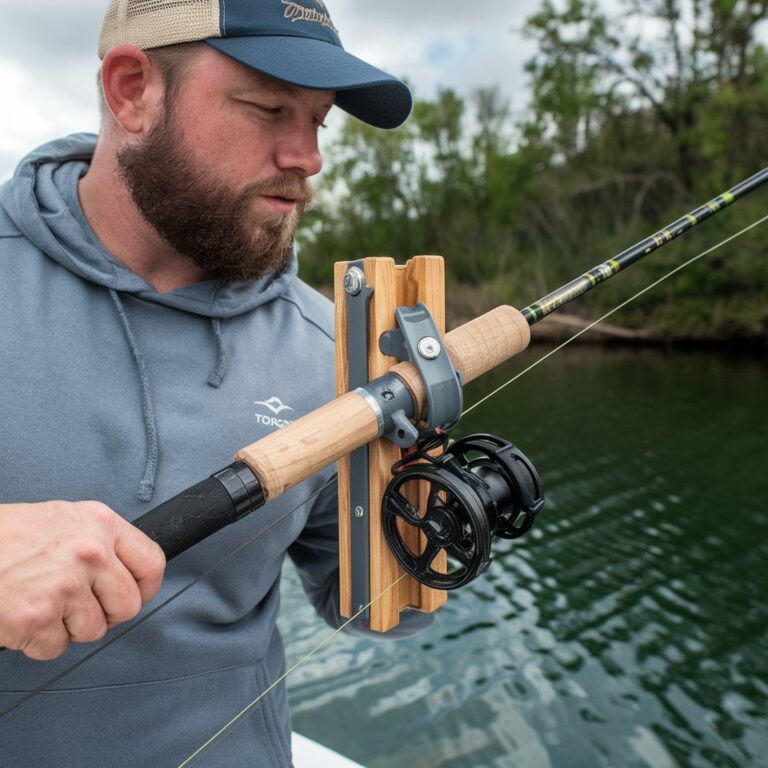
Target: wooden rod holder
<point>291,454</point>
<point>421,280</point>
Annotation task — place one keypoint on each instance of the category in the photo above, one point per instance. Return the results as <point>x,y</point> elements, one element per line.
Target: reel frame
<point>481,487</point>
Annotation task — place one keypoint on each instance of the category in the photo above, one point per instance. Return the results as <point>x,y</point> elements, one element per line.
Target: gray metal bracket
<point>418,340</point>
<point>358,295</point>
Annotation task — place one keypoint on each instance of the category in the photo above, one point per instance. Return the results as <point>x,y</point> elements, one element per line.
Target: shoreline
<point>560,326</point>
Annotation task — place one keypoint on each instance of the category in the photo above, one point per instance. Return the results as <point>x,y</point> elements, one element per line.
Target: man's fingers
<point>46,644</point>
<point>141,556</point>
<point>68,571</point>
<point>118,592</point>
<point>84,619</point>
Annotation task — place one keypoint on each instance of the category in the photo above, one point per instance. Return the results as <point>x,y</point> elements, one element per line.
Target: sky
<point>48,60</point>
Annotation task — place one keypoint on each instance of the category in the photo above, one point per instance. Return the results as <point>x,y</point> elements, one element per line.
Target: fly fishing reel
<point>479,488</point>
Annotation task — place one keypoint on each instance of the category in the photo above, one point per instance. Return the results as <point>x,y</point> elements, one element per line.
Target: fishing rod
<point>480,488</point>
<point>266,469</point>
<point>495,480</point>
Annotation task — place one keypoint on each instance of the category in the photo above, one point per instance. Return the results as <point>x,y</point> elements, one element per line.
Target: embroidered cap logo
<point>297,12</point>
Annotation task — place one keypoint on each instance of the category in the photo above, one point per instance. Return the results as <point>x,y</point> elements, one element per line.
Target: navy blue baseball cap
<point>291,40</point>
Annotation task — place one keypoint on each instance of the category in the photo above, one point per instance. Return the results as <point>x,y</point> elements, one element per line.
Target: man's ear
<point>133,88</point>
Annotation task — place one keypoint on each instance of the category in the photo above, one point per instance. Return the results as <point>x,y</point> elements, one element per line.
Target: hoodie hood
<point>42,202</point>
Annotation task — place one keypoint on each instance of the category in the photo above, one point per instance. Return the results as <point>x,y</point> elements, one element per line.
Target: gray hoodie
<point>115,392</point>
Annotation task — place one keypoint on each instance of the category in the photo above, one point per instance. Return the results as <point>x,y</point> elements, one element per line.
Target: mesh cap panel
<point>155,23</point>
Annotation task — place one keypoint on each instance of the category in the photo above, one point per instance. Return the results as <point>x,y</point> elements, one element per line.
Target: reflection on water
<point>629,629</point>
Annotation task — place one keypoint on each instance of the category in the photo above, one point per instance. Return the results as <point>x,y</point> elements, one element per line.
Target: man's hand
<point>68,572</point>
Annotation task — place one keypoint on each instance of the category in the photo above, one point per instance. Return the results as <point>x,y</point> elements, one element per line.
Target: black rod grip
<point>197,513</point>
<point>200,511</point>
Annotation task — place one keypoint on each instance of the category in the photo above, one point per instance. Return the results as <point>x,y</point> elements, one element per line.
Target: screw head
<point>429,348</point>
<point>359,512</point>
<point>354,280</point>
<point>388,394</point>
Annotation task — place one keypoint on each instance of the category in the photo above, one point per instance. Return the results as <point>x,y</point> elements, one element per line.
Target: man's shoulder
<point>312,306</point>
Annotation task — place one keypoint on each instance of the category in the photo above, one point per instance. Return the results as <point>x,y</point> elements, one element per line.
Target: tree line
<point>631,121</point>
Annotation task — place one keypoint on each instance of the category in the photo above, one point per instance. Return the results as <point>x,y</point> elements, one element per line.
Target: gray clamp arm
<point>418,340</point>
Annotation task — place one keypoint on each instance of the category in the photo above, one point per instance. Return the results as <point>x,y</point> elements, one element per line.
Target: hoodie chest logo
<point>276,407</point>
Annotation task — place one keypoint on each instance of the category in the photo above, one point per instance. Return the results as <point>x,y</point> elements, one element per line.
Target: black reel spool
<point>479,488</point>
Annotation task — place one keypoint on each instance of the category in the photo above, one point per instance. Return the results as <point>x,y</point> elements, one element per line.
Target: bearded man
<point>150,312</point>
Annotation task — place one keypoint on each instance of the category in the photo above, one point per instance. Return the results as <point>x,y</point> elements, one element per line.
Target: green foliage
<point>625,131</point>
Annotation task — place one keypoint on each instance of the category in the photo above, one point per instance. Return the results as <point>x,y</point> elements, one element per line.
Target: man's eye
<point>268,110</point>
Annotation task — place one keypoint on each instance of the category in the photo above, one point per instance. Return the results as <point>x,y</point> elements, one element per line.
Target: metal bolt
<point>354,281</point>
<point>429,348</point>
<point>388,394</point>
<point>359,512</point>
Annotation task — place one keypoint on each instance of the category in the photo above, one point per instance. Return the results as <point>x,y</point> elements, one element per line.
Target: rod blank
<point>602,272</point>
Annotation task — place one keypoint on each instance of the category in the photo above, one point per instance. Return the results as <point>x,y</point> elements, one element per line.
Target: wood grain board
<point>421,280</point>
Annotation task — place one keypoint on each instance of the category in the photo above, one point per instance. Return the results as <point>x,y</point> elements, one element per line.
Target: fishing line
<point>240,715</point>
<point>251,541</point>
<point>303,660</point>
<point>123,632</point>
<point>613,311</point>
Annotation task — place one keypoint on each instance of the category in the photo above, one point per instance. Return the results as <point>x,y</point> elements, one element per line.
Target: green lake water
<point>629,629</point>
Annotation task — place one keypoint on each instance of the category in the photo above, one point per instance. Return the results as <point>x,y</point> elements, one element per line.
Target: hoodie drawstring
<point>217,375</point>
<point>147,485</point>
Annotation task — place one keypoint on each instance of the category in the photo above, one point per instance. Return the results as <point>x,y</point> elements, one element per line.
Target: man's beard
<point>203,219</point>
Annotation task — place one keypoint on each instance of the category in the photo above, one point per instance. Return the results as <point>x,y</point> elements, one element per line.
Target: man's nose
<point>298,151</point>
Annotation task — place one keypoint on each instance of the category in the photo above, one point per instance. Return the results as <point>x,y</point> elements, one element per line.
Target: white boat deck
<point>310,754</point>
